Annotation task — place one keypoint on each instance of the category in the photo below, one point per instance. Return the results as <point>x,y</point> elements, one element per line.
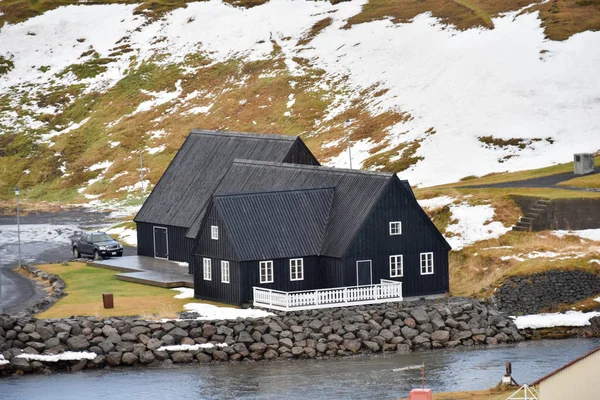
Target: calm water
<point>334,379</point>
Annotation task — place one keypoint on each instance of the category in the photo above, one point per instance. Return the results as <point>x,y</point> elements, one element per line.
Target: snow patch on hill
<point>506,83</point>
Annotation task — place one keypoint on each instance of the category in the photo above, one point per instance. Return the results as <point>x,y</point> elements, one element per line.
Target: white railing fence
<point>386,291</point>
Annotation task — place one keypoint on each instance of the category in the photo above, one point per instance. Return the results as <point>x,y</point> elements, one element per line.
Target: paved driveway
<point>45,237</point>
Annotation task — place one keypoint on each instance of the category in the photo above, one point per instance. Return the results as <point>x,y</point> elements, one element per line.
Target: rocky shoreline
<point>30,345</point>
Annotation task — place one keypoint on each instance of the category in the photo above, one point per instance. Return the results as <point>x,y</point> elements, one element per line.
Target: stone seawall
<point>542,292</point>
<point>34,345</point>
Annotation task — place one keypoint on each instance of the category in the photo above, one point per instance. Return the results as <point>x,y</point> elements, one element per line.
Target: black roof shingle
<point>279,224</point>
<point>190,180</point>
<point>355,194</point>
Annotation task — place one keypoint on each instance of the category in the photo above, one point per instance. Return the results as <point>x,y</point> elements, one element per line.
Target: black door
<point>161,243</point>
<point>363,273</point>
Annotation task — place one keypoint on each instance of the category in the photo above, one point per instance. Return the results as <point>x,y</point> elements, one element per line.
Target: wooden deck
<point>148,271</point>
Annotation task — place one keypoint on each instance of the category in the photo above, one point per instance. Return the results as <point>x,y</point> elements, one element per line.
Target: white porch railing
<point>387,291</point>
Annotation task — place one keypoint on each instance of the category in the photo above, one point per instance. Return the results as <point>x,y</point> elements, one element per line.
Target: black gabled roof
<point>355,193</point>
<point>279,224</point>
<point>187,185</point>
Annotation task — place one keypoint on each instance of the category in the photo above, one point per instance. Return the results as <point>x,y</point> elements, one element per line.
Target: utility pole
<point>17,192</point>
<point>349,143</point>
<point>142,176</point>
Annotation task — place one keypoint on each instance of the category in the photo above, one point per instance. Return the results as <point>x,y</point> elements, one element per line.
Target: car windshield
<point>102,237</point>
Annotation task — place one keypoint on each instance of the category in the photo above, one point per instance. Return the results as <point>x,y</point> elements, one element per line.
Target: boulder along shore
<point>31,345</point>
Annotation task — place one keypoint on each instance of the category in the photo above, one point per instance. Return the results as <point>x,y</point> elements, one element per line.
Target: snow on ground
<point>184,293</point>
<point>472,83</point>
<point>591,234</point>
<point>594,262</point>
<point>158,149</point>
<point>436,202</point>
<point>188,347</point>
<point>210,312</point>
<point>3,361</point>
<point>359,152</point>
<point>160,98</point>
<point>66,356</point>
<point>473,225</point>
<point>38,233</point>
<point>570,318</point>
<point>597,299</point>
<point>127,235</point>
<point>508,82</point>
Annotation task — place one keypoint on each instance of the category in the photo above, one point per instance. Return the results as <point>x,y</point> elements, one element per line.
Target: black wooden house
<point>186,187</point>
<point>291,227</point>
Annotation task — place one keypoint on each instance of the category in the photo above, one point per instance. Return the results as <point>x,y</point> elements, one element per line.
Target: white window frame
<point>214,232</point>
<point>399,225</point>
<point>296,269</point>
<point>225,277</point>
<point>426,267</point>
<point>268,267</point>
<point>396,266</point>
<point>207,269</point>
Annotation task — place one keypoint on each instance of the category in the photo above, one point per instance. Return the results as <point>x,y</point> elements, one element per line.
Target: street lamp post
<point>349,143</point>
<point>17,192</point>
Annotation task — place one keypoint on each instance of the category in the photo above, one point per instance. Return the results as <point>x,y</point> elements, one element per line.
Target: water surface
<point>352,378</point>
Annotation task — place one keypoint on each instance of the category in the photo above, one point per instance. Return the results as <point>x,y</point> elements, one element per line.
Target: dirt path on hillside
<point>550,181</point>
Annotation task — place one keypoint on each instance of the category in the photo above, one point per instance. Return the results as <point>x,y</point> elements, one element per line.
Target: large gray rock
<point>78,343</point>
<point>269,339</point>
<point>129,359</point>
<point>153,344</point>
<point>258,347</point>
<point>409,333</point>
<point>20,364</point>
<point>315,325</point>
<point>182,357</point>
<point>420,315</point>
<point>440,336</point>
<point>372,346</point>
<point>178,334</point>
<point>244,337</point>
<point>146,357</point>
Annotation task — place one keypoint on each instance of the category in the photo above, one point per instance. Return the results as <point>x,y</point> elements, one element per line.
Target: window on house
<point>396,266</point>
<point>266,271</point>
<point>214,232</point>
<point>296,269</point>
<point>207,269</point>
<point>225,271</point>
<point>426,263</point>
<point>395,228</point>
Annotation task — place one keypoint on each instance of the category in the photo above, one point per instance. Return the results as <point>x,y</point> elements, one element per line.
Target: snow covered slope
<point>87,85</point>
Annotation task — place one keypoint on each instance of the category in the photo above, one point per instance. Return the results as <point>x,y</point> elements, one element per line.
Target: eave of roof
<point>567,365</point>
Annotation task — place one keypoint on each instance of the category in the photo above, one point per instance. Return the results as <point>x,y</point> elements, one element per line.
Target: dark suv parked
<point>96,244</point>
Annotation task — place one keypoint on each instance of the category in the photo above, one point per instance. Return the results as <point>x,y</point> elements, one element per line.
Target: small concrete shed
<point>583,163</point>
<point>576,380</point>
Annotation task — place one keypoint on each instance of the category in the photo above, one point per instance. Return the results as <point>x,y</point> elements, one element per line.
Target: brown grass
<point>480,266</point>
<point>560,18</point>
<point>315,30</point>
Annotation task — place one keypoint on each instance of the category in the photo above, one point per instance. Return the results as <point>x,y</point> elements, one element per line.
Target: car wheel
<point>96,255</point>
<point>119,254</point>
<point>76,253</point>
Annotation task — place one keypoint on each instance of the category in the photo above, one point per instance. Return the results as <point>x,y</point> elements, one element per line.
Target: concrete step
<point>526,225</point>
<point>538,209</point>
<point>544,201</point>
<point>519,229</point>
<point>527,219</point>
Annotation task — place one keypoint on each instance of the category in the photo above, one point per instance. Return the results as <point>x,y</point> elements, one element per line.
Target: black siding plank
<point>180,247</point>
<point>215,290</point>
<point>374,242</point>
